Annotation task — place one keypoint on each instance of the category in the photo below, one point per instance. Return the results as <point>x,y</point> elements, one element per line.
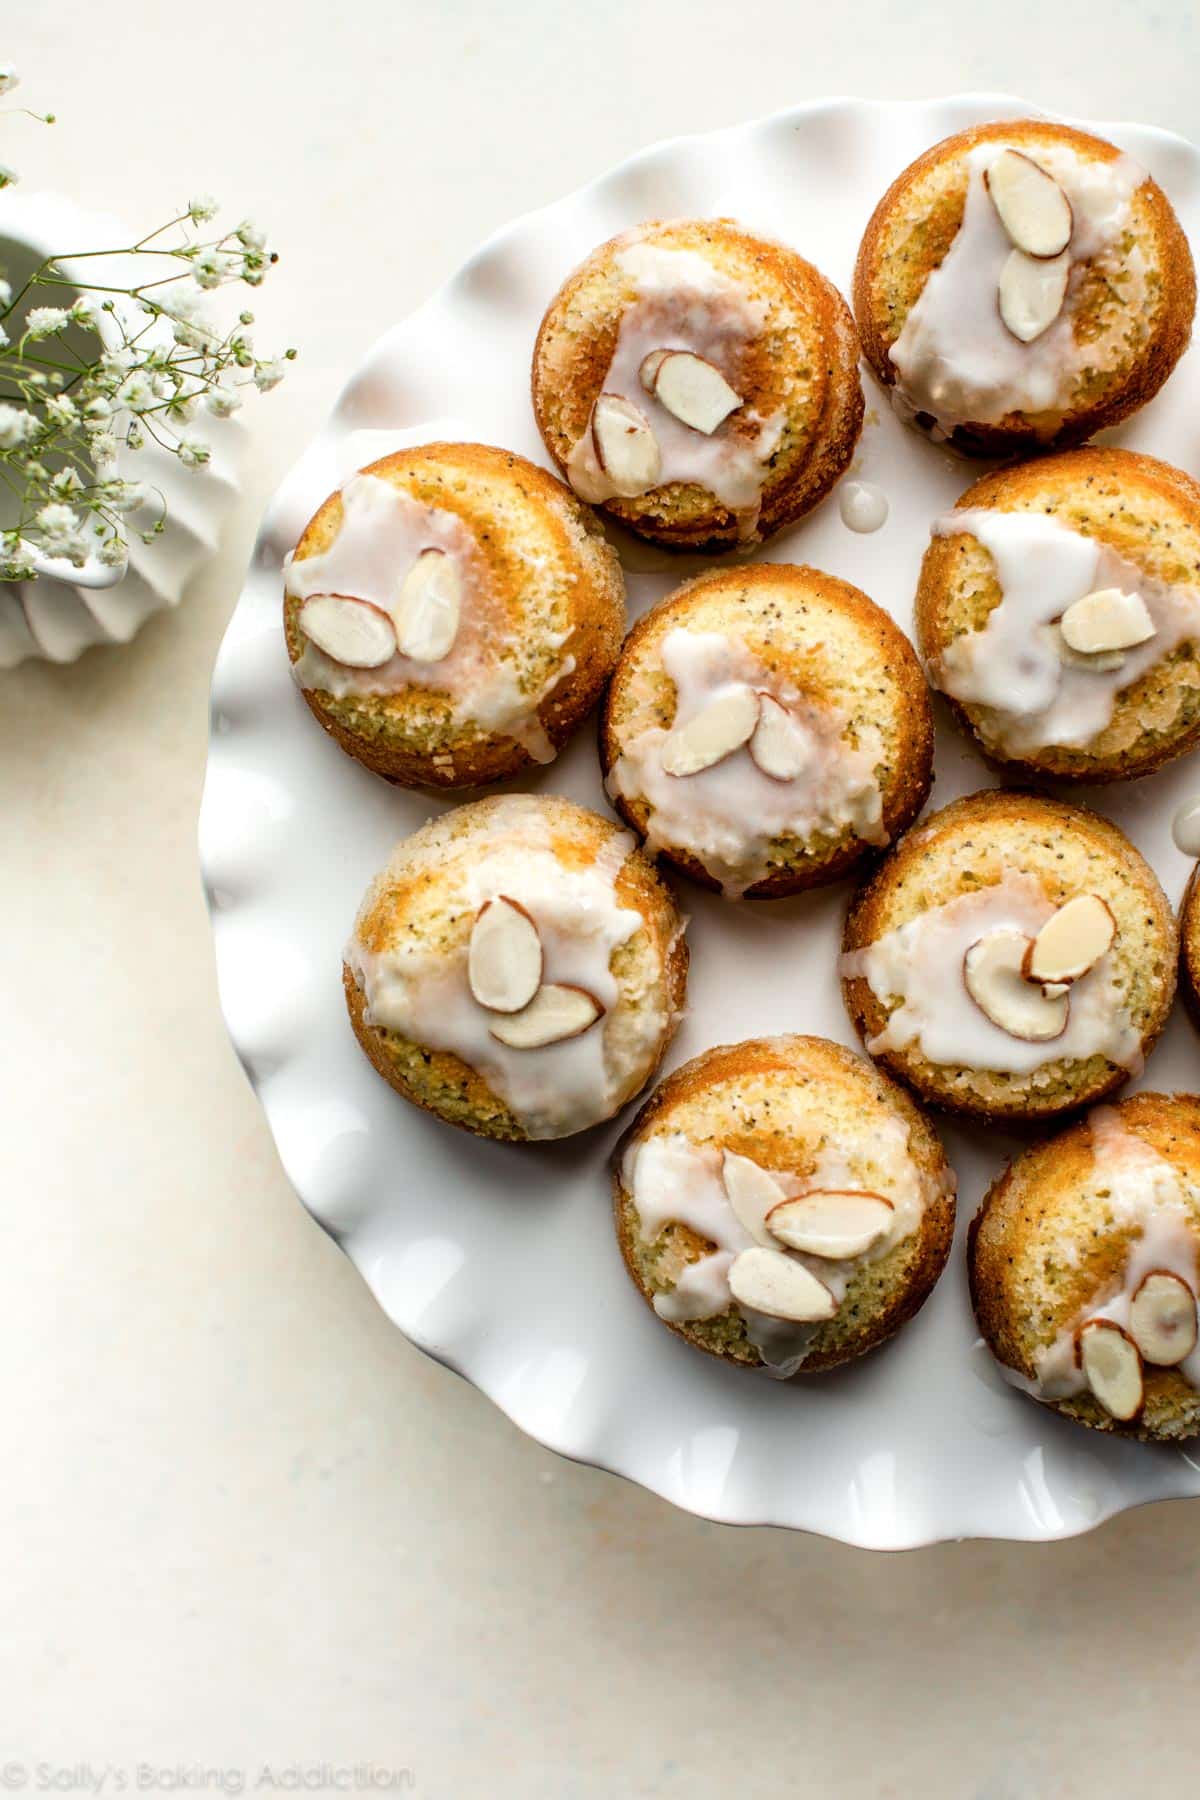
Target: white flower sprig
<point>89,367</point>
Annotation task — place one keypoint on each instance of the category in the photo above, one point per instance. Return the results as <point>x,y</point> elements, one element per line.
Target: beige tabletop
<point>251,1539</point>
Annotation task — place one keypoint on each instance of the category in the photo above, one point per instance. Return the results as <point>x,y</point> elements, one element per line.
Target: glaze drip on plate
<point>917,968</point>
<point>684,303</point>
<point>728,815</point>
<point>1039,693</point>
<point>957,363</point>
<point>424,993</point>
<point>383,533</point>
<point>675,1181</point>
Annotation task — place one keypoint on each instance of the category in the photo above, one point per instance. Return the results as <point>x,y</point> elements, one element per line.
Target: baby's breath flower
<point>137,392</point>
<point>193,452</point>
<point>166,358</point>
<point>65,483</point>
<point>60,409</point>
<point>17,426</point>
<point>114,552</point>
<point>211,266</point>
<point>269,374</point>
<point>222,401</point>
<point>45,321</point>
<point>7,176</point>
<point>9,77</point>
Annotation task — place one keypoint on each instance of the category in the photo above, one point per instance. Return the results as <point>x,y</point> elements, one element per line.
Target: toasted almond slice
<point>1109,1359</point>
<point>557,1011</point>
<point>693,390</point>
<point>779,746</point>
<point>426,614</point>
<point>649,367</point>
<point>713,734</point>
<point>1031,293</point>
<point>992,971</point>
<point>831,1222</point>
<point>352,632</point>
<point>1071,942</point>
<point>1106,620</point>
<point>1033,208</point>
<point>751,1193</point>
<point>1162,1318</point>
<point>769,1282</point>
<point>626,448</point>
<point>504,959</point>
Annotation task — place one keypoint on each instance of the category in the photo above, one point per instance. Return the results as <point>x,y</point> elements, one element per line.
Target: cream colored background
<point>241,1521</point>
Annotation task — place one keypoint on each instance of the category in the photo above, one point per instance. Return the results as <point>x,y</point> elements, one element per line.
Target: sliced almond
<point>557,1011</point>
<point>1162,1318</point>
<point>504,960</point>
<point>779,746</point>
<point>751,1193</point>
<point>649,367</point>
<point>713,734</point>
<point>1109,1359</point>
<point>831,1222</point>
<point>352,632</point>
<point>427,613</point>
<point>692,389</point>
<point>1031,293</point>
<point>1071,942</point>
<point>1033,208</point>
<point>1106,620</point>
<point>992,971</point>
<point>626,448</point>
<point>769,1282</point>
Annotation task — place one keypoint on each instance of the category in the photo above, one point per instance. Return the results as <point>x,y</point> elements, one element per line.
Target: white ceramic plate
<point>500,1261</point>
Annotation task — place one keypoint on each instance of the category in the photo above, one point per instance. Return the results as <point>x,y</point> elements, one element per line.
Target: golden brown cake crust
<point>1024,1293</point>
<point>897,257</point>
<point>816,385</point>
<point>1143,509</point>
<point>509,505</point>
<point>969,845</point>
<point>410,897</point>
<point>867,667</point>
<point>764,1070</point>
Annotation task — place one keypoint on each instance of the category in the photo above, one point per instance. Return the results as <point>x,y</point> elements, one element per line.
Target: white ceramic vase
<point>66,610</point>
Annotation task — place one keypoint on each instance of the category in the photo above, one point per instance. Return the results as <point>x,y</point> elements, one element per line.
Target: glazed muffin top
<point>803,1125</point>
<point>941,979</point>
<point>517,967</point>
<point>451,611</point>
<point>1023,283</point>
<point>832,756</point>
<point>698,381</point>
<point>1068,1257</point>
<point>1059,607</point>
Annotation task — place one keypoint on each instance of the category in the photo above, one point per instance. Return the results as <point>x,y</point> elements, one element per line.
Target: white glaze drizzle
<point>383,531</point>
<point>920,964</point>
<point>684,303</point>
<point>1143,1193</point>
<point>424,995</point>
<point>955,359</point>
<point>673,1180</point>
<point>862,505</point>
<point>728,815</point>
<point>1013,665</point>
